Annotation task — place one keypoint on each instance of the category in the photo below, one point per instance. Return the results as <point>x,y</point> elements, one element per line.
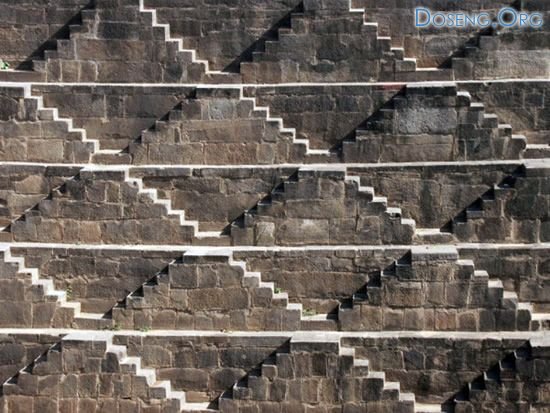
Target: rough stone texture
<point>329,114</point>
<point>227,191</point>
<point>523,270</point>
<point>225,32</point>
<point>430,289</point>
<point>328,42</point>
<point>85,374</point>
<point>115,116</point>
<point>207,293</point>
<point>216,127</point>
<point>514,210</point>
<point>321,207</point>
<point>434,46</point>
<point>100,207</point>
<point>23,186</point>
<point>29,134</point>
<point>303,377</point>
<point>96,278</point>
<point>319,279</point>
<point>519,381</point>
<point>524,105</point>
<point>204,367</point>
<point>26,304</point>
<point>29,27</point>
<point>118,43</point>
<point>433,194</point>
<point>433,368</point>
<point>19,350</point>
<point>442,121</point>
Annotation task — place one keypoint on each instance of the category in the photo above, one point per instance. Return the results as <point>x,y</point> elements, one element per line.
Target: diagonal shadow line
<point>259,45</point>
<point>478,381</point>
<point>50,43</point>
<point>375,115</point>
<point>473,40</point>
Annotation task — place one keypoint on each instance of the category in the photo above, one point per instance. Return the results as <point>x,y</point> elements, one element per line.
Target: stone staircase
<point>66,49</point>
<point>504,383</point>
<point>402,68</point>
<point>112,359</point>
<point>263,295</point>
<point>67,312</point>
<point>273,206</point>
<point>416,116</point>
<point>485,292</point>
<point>36,105</point>
<point>153,142</point>
<point>216,75</point>
<point>153,194</point>
<point>491,203</point>
<point>371,387</point>
<point>137,194</point>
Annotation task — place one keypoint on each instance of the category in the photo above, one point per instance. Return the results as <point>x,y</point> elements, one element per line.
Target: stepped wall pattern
<point>355,214</point>
<point>282,206</point>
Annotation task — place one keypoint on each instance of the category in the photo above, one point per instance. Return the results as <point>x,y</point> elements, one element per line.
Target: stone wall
<point>433,194</point>
<point>440,119</point>
<point>29,27</point>
<point>227,191</point>
<point>31,134</point>
<point>100,207</point>
<point>433,368</point>
<point>209,292</point>
<point>514,210</point>
<point>203,367</point>
<point>19,350</point>
<point>115,116</point>
<point>327,115</point>
<point>227,32</point>
<point>116,42</point>
<point>319,279</point>
<point>524,105</point>
<point>322,206</point>
<point>216,127</point>
<point>434,45</point>
<point>23,186</point>
<point>524,270</point>
<point>96,278</point>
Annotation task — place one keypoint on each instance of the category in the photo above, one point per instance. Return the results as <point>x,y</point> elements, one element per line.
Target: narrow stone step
<point>434,236</point>
<point>428,408</point>
<point>536,151</point>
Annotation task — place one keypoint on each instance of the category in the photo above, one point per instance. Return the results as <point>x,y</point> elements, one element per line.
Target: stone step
<point>320,322</point>
<point>428,408</point>
<point>536,151</point>
<point>434,236</point>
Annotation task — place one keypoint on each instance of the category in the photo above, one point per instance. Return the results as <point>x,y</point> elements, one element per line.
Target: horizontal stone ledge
<point>350,166</point>
<point>317,336</point>
<point>244,248</point>
<point>271,85</point>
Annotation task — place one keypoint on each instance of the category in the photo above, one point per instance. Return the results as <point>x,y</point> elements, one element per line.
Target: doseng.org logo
<point>506,17</point>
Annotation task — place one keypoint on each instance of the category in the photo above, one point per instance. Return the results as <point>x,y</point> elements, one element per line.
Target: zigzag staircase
<point>406,69</point>
<point>160,391</point>
<point>372,292</point>
<point>67,309</point>
<point>250,280</point>
<point>277,195</point>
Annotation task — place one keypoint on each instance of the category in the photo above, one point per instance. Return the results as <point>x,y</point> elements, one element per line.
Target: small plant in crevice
<point>115,327</point>
<point>145,329</point>
<point>308,312</point>
<point>4,65</point>
<point>278,290</point>
<point>69,293</point>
